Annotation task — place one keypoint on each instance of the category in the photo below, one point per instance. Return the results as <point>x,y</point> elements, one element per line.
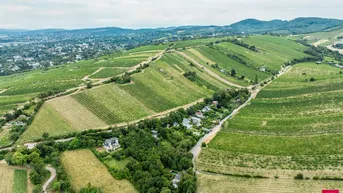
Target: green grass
<point>5,137</point>
<point>331,36</point>
<point>20,181</point>
<point>108,72</point>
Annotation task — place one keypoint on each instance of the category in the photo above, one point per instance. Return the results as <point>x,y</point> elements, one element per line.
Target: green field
<point>22,87</point>
<point>196,42</point>
<point>5,137</point>
<point>329,35</point>
<point>20,181</point>
<point>108,72</point>
<point>75,162</point>
<point>293,124</point>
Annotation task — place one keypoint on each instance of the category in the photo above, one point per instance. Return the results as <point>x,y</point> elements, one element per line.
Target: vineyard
<point>293,124</point>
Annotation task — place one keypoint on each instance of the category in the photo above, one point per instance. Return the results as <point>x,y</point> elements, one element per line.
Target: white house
<point>176,180</point>
<point>206,109</point>
<point>111,144</point>
<point>199,114</point>
<point>154,133</point>
<point>196,121</point>
<point>186,123</point>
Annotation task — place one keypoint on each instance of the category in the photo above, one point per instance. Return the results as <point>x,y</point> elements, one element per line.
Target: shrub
<point>299,177</point>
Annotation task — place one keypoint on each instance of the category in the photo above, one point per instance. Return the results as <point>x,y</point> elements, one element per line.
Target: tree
<point>45,135</point>
<point>233,72</point>
<point>256,79</point>
<point>89,85</point>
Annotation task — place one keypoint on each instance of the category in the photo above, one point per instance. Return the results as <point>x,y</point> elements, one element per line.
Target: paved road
<point>52,177</point>
<point>210,72</point>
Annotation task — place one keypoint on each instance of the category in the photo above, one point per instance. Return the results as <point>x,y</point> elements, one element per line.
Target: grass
<point>95,173</point>
<point>5,137</point>
<point>117,164</point>
<point>108,72</point>
<point>196,42</point>
<point>20,181</point>
<point>331,36</point>
<point>293,124</point>
<point>227,184</point>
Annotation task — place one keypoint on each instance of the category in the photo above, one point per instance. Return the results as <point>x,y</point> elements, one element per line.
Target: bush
<point>299,177</point>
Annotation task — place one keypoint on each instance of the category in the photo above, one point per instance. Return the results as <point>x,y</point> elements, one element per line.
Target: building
<point>154,133</point>
<point>206,109</point>
<point>175,124</point>
<point>215,103</point>
<point>263,69</point>
<point>111,144</point>
<point>176,180</point>
<point>196,121</point>
<point>186,123</point>
<point>199,114</point>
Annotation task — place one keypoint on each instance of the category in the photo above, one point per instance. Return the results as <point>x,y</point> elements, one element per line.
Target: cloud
<point>34,14</point>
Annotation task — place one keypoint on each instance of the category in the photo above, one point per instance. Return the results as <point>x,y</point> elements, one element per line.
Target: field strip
<point>87,77</point>
<point>3,91</point>
<point>210,72</point>
<point>318,43</point>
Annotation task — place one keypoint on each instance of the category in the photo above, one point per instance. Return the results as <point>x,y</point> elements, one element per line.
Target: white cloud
<point>33,14</point>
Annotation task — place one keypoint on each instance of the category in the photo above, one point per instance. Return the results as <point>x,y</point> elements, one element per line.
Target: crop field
<point>330,36</point>
<point>112,104</point>
<point>75,162</point>
<point>5,137</point>
<point>227,64</point>
<point>161,87</point>
<point>293,124</point>
<point>13,180</point>
<point>202,77</point>
<point>108,72</point>
<point>196,42</point>
<point>22,87</point>
<point>208,183</point>
<point>20,181</point>
<point>47,120</point>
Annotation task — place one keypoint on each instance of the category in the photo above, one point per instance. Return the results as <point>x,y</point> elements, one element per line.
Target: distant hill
<point>298,25</point>
<point>248,26</point>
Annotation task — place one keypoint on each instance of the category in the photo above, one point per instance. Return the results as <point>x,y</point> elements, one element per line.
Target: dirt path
<point>318,43</point>
<point>210,72</point>
<point>334,49</point>
<point>52,177</point>
<point>87,77</point>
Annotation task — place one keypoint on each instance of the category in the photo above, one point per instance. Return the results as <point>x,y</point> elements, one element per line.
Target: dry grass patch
<point>83,167</point>
<point>6,178</point>
<point>79,116</point>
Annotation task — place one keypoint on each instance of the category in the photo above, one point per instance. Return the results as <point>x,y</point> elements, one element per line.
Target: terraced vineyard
<point>19,88</point>
<point>271,54</point>
<point>293,126</point>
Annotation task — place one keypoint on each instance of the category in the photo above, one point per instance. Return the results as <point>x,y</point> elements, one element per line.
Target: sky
<point>73,14</point>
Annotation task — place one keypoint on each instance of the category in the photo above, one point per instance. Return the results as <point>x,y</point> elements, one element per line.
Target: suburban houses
<point>111,144</point>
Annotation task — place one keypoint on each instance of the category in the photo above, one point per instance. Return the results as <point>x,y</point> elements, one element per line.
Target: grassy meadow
<point>83,167</point>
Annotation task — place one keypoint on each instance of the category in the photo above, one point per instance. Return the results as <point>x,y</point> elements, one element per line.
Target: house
<point>176,180</point>
<point>111,144</point>
<point>78,57</point>
<point>186,123</point>
<point>206,109</point>
<point>18,123</point>
<point>154,133</point>
<point>263,69</point>
<point>199,114</point>
<point>319,62</point>
<point>175,124</point>
<point>196,121</point>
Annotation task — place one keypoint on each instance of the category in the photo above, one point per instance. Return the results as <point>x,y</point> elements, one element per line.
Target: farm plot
<point>20,181</point>
<point>5,137</point>
<point>226,184</point>
<point>6,178</point>
<point>227,64</point>
<point>96,173</point>
<point>112,104</point>
<point>48,120</point>
<point>161,87</point>
<point>293,124</point>
<point>196,42</point>
<point>108,72</point>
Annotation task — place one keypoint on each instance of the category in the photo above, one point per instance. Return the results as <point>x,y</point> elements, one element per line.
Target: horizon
<point>132,14</point>
<point>164,27</point>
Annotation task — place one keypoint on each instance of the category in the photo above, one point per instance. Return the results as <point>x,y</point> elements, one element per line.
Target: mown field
<point>83,167</point>
<point>13,180</point>
<point>293,124</point>
<point>330,36</point>
<point>22,87</point>
<point>227,184</point>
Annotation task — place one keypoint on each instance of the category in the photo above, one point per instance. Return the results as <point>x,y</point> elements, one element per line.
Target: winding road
<point>52,177</point>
